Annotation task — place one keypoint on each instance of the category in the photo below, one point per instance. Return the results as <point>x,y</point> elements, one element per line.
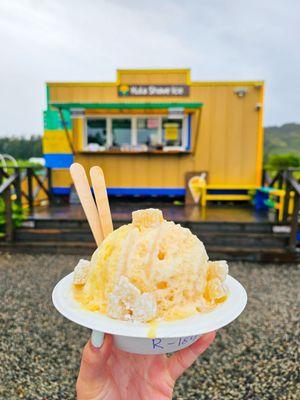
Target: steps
<point>55,247</point>
<point>53,235</point>
<point>245,241</point>
<point>219,239</point>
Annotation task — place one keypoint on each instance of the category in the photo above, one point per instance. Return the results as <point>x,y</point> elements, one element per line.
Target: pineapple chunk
<point>144,308</point>
<point>125,292</point>
<point>148,218</point>
<point>217,269</point>
<point>215,290</point>
<point>127,302</point>
<point>81,272</point>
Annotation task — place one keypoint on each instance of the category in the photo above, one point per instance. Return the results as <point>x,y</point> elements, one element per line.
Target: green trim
<point>52,120</point>
<point>125,106</point>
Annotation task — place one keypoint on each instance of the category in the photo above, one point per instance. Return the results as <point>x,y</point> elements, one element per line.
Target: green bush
<point>283,161</point>
<point>18,214</point>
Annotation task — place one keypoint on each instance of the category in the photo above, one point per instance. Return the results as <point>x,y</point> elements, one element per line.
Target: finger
<point>183,359</point>
<point>97,338</point>
<point>93,361</point>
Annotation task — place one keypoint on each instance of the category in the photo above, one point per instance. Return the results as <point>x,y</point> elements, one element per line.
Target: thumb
<point>183,359</point>
<point>92,367</point>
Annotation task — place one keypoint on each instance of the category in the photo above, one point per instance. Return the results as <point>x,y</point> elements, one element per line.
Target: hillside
<point>282,139</point>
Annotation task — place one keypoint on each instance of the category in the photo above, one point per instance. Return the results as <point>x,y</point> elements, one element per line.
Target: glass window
<point>172,132</point>
<point>121,131</point>
<point>148,131</point>
<point>96,132</point>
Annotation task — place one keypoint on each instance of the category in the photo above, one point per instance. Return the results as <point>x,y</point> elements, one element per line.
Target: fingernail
<point>97,339</point>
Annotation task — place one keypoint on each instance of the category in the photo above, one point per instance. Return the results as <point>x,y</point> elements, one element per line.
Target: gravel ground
<point>253,358</point>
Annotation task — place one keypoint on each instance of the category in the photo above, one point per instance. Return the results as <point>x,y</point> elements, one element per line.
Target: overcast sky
<point>76,40</point>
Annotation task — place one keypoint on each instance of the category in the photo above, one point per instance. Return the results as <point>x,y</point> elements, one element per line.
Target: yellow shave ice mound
<point>150,270</point>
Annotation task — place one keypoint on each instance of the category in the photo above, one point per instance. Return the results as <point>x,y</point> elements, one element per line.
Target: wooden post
<point>263,177</point>
<point>272,182</point>
<point>49,177</point>
<point>294,223</point>
<point>281,179</point>
<point>9,227</point>
<point>30,188</point>
<point>18,187</point>
<point>286,201</point>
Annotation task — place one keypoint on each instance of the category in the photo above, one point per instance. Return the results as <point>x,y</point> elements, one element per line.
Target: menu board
<point>171,131</point>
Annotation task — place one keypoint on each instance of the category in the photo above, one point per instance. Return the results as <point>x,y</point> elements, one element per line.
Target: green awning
<point>125,106</point>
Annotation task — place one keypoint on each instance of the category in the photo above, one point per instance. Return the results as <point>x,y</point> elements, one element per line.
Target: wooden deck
<point>121,211</point>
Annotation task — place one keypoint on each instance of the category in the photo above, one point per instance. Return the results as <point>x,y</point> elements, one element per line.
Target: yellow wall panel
<point>55,141</point>
<point>234,143</point>
<point>202,124</point>
<point>186,163</point>
<point>158,77</point>
<point>170,172</point>
<point>249,141</point>
<point>61,178</point>
<point>155,177</point>
<point>218,136</point>
<point>141,171</point>
<point>78,133</point>
<point>260,136</point>
<point>222,129</point>
<point>84,94</point>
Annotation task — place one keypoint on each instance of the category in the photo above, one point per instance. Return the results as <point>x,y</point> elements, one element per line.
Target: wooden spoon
<point>100,192</point>
<point>82,187</point>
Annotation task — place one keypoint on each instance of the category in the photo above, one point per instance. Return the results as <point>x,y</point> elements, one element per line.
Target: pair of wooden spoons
<point>98,215</point>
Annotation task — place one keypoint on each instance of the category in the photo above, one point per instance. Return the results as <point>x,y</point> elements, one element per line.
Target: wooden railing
<point>11,179</point>
<point>286,180</point>
<point>5,193</point>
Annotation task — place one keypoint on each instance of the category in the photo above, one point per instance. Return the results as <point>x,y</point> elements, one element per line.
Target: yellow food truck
<point>150,128</point>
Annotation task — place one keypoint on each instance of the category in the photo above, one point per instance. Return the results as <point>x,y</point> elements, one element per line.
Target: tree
<point>21,148</point>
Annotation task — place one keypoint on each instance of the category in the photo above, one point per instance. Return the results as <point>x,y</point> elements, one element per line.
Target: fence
<point>26,183</point>
<point>286,180</point>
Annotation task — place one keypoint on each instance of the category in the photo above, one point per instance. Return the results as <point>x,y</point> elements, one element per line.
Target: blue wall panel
<point>58,160</point>
<point>146,191</point>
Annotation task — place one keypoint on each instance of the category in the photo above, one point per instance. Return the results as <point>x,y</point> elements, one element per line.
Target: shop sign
<point>153,90</point>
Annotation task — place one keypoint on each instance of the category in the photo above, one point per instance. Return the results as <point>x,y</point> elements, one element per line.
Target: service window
<point>121,131</point>
<point>96,132</point>
<point>148,131</point>
<point>172,132</point>
<point>132,132</point>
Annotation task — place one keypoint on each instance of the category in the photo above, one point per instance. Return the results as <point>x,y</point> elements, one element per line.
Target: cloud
<point>74,40</point>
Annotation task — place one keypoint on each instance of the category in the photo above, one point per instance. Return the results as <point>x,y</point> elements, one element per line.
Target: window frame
<point>85,139</point>
<point>134,133</point>
<point>144,116</point>
<point>110,126</point>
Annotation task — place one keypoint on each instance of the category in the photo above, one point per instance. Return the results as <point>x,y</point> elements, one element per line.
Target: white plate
<point>192,327</point>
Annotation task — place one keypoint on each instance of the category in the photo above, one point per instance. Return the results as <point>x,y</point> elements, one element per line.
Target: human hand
<point>108,373</point>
